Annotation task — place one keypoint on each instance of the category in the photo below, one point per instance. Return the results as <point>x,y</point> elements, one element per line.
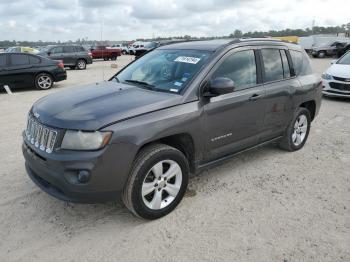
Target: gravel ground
<point>263,205</point>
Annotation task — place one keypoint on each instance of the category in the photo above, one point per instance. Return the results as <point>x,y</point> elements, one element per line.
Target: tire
<point>297,131</point>
<point>124,52</point>
<point>114,58</point>
<point>106,59</point>
<point>43,81</point>
<point>143,189</point>
<point>321,54</point>
<point>81,64</point>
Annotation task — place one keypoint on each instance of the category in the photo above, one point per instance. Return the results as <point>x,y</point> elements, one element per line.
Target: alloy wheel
<point>161,184</point>
<point>300,130</point>
<point>44,82</point>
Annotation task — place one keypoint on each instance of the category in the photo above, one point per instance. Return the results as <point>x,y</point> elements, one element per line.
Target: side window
<point>286,70</point>
<point>240,67</point>
<point>272,64</point>
<point>57,50</point>
<point>19,59</point>
<point>2,60</point>
<point>297,58</point>
<point>68,49</point>
<point>79,49</point>
<point>34,60</point>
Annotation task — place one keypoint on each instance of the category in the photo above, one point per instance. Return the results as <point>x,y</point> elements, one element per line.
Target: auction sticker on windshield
<point>187,59</point>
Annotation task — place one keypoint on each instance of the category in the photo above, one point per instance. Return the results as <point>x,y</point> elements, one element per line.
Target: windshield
<point>345,60</point>
<point>164,70</point>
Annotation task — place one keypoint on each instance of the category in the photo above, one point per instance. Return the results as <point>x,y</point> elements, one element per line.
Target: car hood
<point>339,70</point>
<point>95,106</point>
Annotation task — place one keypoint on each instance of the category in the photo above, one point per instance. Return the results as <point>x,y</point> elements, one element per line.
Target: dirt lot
<point>264,205</point>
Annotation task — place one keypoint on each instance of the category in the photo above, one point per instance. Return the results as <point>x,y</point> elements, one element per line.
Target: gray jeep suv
<point>176,110</point>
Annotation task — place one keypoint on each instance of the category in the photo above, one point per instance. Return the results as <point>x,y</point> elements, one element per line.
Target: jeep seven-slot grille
<point>40,135</point>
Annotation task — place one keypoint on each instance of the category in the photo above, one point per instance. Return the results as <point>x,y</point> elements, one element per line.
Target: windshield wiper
<point>145,84</point>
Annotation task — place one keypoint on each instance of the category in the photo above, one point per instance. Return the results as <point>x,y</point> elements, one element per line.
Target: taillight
<point>60,65</point>
<point>90,54</point>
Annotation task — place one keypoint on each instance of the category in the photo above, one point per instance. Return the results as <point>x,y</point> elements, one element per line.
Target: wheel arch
<point>182,142</point>
<point>311,106</point>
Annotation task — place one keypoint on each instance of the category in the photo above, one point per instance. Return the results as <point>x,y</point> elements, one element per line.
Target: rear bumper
<point>61,76</point>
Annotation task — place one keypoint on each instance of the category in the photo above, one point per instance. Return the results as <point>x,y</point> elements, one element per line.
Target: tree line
<point>343,29</point>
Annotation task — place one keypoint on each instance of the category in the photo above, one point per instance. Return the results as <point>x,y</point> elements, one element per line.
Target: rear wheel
<point>297,132</point>
<point>106,58</point>
<point>81,64</point>
<point>43,81</point>
<point>157,183</point>
<point>114,58</point>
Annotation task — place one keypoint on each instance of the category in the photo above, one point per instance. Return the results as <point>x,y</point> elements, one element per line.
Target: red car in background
<point>105,52</point>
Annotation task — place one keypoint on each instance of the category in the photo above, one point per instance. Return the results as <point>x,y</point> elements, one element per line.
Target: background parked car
<point>19,70</point>
<point>336,80</point>
<point>142,49</point>
<point>124,48</point>
<point>73,56</point>
<point>21,49</point>
<point>330,49</point>
<point>105,52</point>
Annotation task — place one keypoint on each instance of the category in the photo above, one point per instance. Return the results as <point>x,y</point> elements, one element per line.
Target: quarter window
<point>240,67</point>
<point>34,60</point>
<point>57,50</point>
<point>19,59</point>
<point>297,59</point>
<point>272,64</point>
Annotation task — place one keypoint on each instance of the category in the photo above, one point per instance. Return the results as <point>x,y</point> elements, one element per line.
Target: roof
<point>213,45</point>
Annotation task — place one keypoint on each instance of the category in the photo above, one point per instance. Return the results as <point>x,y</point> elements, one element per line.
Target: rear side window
<point>19,59</point>
<point>272,64</point>
<point>240,67</point>
<point>2,60</point>
<point>297,58</point>
<point>79,49</point>
<point>68,49</point>
<point>57,50</point>
<point>286,70</point>
<point>34,60</point>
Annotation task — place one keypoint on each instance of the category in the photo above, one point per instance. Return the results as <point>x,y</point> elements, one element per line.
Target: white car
<point>336,80</point>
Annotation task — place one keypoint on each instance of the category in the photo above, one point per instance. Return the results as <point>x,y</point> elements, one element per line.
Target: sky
<point>53,20</point>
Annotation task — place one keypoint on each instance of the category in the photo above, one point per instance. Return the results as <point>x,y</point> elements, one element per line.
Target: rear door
<point>280,85</point>
<point>69,55</point>
<point>234,121</point>
<point>19,71</point>
<point>56,53</point>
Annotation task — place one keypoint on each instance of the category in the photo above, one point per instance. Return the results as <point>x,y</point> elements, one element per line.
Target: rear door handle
<point>255,97</point>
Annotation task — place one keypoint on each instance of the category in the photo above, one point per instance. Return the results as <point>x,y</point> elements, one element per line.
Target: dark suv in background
<point>73,56</point>
<point>174,111</point>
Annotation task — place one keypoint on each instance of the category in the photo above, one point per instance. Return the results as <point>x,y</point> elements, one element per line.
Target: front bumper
<point>57,173</point>
<point>337,90</point>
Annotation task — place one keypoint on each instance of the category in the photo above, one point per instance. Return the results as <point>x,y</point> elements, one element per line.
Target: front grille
<point>340,86</point>
<point>341,79</point>
<point>39,135</point>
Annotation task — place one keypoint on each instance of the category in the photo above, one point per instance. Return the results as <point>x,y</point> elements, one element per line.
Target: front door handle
<point>255,97</point>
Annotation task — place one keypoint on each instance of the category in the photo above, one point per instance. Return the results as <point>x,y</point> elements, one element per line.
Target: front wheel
<point>43,81</point>
<point>157,183</point>
<point>297,132</point>
<point>321,54</point>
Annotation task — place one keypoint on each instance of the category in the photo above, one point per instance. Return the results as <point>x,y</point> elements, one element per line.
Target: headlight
<point>327,76</point>
<point>79,140</point>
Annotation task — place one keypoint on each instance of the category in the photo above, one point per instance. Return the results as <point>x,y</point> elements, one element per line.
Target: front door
<point>234,121</point>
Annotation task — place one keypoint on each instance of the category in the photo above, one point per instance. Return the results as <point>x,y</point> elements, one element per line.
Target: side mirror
<point>333,61</point>
<point>219,86</point>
